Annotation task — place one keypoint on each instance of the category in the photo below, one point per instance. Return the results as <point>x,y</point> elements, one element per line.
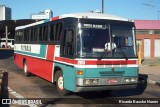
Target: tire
<point>25,69</point>
<point>60,84</point>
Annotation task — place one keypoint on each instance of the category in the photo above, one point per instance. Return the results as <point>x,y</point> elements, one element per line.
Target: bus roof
<point>32,24</point>
<point>87,15</point>
<point>90,15</point>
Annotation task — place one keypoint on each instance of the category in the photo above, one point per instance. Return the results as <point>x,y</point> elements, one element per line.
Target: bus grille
<point>110,73</point>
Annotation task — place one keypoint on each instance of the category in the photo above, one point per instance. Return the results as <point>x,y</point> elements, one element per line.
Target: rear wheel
<point>25,69</point>
<point>60,84</point>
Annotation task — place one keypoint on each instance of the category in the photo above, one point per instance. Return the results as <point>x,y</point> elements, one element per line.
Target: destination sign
<point>99,26</point>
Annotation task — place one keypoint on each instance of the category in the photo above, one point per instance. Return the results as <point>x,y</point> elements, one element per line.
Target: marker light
<point>79,72</point>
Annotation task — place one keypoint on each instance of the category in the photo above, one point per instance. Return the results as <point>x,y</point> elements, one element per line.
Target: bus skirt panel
<point>37,66</point>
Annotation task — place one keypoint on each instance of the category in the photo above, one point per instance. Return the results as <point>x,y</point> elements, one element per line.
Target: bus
<point>79,52</point>
<point>10,43</point>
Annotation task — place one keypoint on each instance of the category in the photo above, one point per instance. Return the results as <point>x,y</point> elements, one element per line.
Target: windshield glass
<point>122,37</point>
<point>103,41</point>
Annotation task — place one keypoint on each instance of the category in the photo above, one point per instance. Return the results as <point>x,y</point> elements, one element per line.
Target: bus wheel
<point>60,84</point>
<point>25,69</point>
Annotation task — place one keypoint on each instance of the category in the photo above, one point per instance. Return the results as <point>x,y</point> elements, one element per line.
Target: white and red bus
<point>80,52</point>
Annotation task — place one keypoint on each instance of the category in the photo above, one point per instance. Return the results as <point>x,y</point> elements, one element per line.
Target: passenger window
<point>52,33</point>
<point>26,35</point>
<point>40,34</point>
<point>19,36</point>
<point>55,32</point>
<point>45,33</point>
<point>32,35</point>
<point>58,34</point>
<point>35,34</point>
<point>59,31</point>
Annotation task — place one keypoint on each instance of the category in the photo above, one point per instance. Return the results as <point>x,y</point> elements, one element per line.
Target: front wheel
<point>60,84</point>
<point>25,69</point>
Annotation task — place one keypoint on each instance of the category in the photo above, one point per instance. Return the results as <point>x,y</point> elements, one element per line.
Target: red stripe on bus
<point>55,18</point>
<point>119,62</point>
<point>50,52</point>
<point>66,60</point>
<point>96,62</point>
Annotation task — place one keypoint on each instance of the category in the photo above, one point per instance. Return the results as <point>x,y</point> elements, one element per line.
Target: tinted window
<point>45,33</point>
<point>68,42</point>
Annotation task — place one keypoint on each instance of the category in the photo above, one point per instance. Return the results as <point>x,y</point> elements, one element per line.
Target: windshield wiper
<point>123,54</point>
<point>104,54</point>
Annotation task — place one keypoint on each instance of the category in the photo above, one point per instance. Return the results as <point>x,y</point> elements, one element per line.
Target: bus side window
<point>51,38</point>
<point>45,33</point>
<point>21,35</point>
<point>32,35</point>
<point>68,42</point>
<point>35,34</point>
<point>17,35</point>
<point>58,28</point>
<point>40,34</point>
<point>26,35</point>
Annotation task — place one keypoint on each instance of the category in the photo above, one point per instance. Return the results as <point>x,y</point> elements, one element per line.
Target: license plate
<point>112,81</point>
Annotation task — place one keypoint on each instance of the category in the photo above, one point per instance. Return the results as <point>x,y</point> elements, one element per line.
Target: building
<point>47,14</point>
<point>5,13</point>
<point>148,35</point>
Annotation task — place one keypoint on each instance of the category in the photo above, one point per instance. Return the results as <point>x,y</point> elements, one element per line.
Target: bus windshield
<point>106,41</point>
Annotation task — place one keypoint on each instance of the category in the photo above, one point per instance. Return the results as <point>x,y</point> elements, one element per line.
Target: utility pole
<point>6,31</point>
<point>102,6</point>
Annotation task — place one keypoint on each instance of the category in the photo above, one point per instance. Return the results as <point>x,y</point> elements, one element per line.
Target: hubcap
<point>25,68</point>
<point>60,83</point>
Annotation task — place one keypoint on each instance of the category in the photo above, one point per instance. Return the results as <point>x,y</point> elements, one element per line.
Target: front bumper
<point>116,83</point>
<point>101,88</point>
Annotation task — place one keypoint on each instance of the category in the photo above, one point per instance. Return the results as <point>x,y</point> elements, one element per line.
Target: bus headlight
<point>130,80</point>
<point>127,80</point>
<point>91,81</point>
<point>133,79</point>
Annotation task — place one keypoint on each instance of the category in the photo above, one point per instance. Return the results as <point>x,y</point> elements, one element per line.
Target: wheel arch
<point>56,68</point>
<point>24,60</point>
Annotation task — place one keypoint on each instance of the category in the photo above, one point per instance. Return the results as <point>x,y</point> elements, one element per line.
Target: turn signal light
<point>79,72</point>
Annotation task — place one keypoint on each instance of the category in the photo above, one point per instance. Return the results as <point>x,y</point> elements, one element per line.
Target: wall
<point>152,37</point>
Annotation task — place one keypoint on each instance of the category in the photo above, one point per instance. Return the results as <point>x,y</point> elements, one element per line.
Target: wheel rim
<point>25,68</point>
<point>60,83</point>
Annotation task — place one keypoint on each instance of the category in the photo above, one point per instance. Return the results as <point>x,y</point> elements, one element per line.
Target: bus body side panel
<point>50,52</point>
<point>39,59</point>
<point>40,67</point>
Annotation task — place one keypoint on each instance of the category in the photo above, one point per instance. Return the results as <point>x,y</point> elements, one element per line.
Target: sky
<point>132,9</point>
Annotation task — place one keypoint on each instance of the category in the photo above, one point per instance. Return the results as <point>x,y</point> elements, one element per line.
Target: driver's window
<point>68,42</point>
